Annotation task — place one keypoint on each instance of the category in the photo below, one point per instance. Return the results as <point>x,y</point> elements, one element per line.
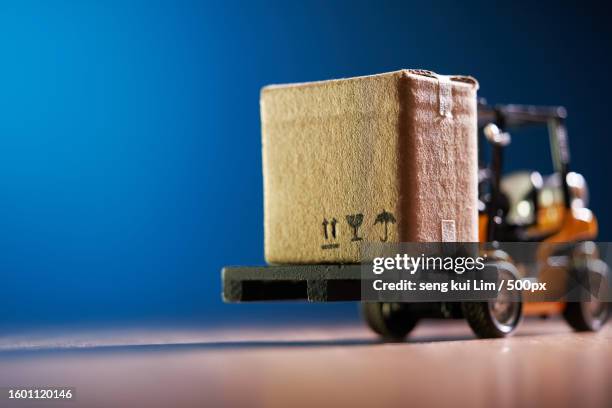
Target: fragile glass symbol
<point>355,221</point>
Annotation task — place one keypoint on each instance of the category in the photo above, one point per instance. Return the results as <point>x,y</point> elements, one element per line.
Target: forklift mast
<point>513,117</point>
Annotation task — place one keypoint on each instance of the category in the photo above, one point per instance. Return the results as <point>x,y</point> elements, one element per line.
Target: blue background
<point>130,164</point>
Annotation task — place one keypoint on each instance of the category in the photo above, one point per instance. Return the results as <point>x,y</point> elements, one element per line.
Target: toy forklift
<point>519,207</point>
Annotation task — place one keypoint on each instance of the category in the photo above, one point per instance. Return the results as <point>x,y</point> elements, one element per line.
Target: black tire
<point>586,316</point>
<point>496,318</point>
<point>392,321</point>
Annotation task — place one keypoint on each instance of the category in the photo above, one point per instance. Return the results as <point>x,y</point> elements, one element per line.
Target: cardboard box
<point>389,157</point>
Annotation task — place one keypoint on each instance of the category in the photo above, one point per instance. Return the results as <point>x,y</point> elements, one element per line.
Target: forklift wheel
<point>586,316</point>
<point>498,317</point>
<point>392,321</point>
<point>592,315</point>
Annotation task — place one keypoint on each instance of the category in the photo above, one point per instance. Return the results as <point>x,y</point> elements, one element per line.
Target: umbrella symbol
<point>385,218</point>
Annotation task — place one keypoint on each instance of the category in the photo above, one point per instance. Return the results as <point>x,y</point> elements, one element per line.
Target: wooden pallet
<point>314,283</point>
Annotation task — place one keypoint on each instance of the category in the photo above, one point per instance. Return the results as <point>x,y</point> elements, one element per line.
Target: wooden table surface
<point>545,364</point>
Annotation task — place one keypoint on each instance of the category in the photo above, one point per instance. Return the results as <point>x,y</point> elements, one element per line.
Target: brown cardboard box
<point>389,157</point>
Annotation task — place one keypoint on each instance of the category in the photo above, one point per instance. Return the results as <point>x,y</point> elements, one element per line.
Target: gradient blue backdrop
<point>130,164</point>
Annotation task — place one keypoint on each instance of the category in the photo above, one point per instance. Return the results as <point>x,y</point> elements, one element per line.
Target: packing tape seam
<point>449,231</point>
<point>445,95</point>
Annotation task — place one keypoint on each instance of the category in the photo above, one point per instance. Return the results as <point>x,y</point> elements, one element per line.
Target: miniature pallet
<point>314,283</point>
